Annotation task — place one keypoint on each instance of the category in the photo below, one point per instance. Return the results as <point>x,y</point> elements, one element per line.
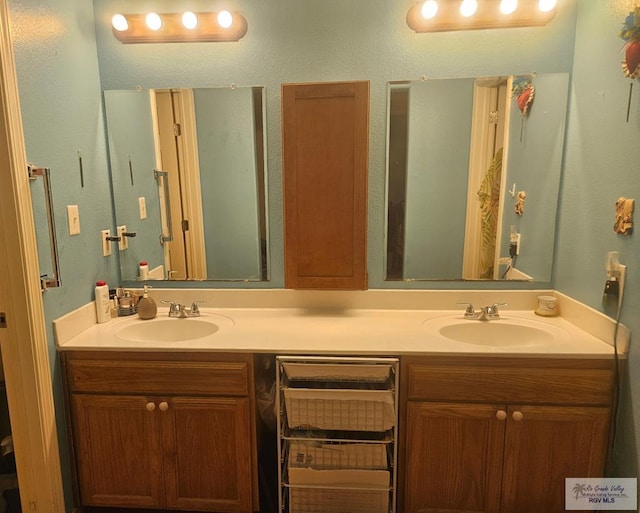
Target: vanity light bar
<point>180,27</point>
<point>445,15</point>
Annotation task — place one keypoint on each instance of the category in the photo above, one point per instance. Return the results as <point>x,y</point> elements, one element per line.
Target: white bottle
<point>103,306</point>
<point>144,271</point>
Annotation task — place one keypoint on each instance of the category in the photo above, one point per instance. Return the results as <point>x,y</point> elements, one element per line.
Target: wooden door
<point>454,458</point>
<point>207,454</point>
<point>543,446</point>
<point>117,450</point>
<point>325,163</point>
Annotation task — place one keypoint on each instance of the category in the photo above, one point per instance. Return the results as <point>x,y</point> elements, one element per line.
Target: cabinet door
<point>117,450</point>
<point>207,453</point>
<point>325,162</point>
<point>454,458</point>
<point>543,446</point>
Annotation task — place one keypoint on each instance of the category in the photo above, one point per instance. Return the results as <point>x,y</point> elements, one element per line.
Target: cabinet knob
<point>164,406</point>
<point>150,406</point>
<point>517,416</point>
<point>501,415</point>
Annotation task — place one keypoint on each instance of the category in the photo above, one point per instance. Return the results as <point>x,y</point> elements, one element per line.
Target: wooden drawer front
<point>159,377</point>
<point>499,382</point>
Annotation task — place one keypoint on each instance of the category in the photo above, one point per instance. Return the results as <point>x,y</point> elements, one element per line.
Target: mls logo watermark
<point>602,493</point>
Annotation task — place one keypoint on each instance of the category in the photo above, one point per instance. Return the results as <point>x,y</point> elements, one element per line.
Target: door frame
<point>178,155</point>
<point>25,353</point>
<point>487,136</point>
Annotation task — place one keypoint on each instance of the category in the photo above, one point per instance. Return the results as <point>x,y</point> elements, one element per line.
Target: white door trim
<point>25,353</point>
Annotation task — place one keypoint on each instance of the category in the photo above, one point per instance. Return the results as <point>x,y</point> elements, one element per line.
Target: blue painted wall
<point>437,177</point>
<point>320,40</point>
<point>535,162</point>
<point>602,163</point>
<point>227,156</point>
<point>133,160</point>
<point>60,95</point>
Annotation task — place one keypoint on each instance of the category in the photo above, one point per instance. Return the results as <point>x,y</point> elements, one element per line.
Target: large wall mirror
<point>189,180</point>
<point>468,170</point>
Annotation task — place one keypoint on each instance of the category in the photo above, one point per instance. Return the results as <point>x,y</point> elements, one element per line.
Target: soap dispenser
<point>147,308</point>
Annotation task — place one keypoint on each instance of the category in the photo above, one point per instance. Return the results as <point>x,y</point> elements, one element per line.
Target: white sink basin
<point>504,332</point>
<point>170,329</point>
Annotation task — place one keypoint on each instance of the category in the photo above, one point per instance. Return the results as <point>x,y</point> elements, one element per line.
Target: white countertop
<point>322,331</point>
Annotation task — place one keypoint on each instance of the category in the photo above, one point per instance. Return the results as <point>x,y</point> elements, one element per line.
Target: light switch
<point>73,217</point>
<point>143,207</point>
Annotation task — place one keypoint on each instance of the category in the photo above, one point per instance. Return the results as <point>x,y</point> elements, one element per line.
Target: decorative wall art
<point>630,33</point>
<point>524,92</point>
<point>624,216</point>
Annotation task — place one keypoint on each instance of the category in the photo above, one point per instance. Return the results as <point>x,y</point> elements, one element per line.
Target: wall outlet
<point>123,243</point>
<point>73,218</point>
<point>106,243</point>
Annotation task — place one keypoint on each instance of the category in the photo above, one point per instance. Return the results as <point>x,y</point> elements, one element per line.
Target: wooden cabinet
<point>325,163</point>
<point>163,430</point>
<point>500,435</point>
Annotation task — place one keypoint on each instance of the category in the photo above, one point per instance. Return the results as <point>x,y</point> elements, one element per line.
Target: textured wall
<point>60,96</point>
<point>132,160</point>
<point>328,40</point>
<point>601,164</point>
<point>439,135</point>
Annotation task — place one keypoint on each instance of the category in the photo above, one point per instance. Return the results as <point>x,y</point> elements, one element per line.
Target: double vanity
<point>492,415</point>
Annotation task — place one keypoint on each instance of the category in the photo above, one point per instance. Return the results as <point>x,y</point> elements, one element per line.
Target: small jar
<point>143,271</point>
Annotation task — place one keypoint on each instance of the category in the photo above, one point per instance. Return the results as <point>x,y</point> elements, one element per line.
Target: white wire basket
<point>338,491</point>
<point>333,455</point>
<point>348,410</point>
<point>374,373</point>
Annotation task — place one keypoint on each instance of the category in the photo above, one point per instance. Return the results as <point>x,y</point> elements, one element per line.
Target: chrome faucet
<point>182,312</point>
<point>487,313</point>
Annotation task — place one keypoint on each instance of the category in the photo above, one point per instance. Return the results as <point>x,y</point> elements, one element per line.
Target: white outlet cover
<point>143,207</point>
<point>73,219</point>
<point>123,243</point>
<point>106,244</point>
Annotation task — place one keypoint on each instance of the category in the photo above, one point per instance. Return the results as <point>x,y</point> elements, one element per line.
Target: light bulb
<point>189,20</point>
<point>429,9</point>
<point>508,6</point>
<point>468,8</point>
<point>153,21</point>
<point>119,22</point>
<point>225,19</point>
<point>546,5</point>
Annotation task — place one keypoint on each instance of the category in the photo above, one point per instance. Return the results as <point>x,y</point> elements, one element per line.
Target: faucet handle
<point>174,307</point>
<point>492,310</point>
<point>469,312</point>
<point>195,309</point>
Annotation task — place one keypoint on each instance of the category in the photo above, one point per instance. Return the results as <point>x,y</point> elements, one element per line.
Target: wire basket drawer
<point>336,455</point>
<point>348,410</point>
<point>337,372</point>
<point>338,491</point>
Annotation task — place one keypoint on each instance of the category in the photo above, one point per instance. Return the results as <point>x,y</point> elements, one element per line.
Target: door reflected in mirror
<point>459,152</point>
<point>189,178</point>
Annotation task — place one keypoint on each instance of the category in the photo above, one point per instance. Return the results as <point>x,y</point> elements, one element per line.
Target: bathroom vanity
<point>500,434</point>
<point>163,429</point>
<point>491,426</point>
